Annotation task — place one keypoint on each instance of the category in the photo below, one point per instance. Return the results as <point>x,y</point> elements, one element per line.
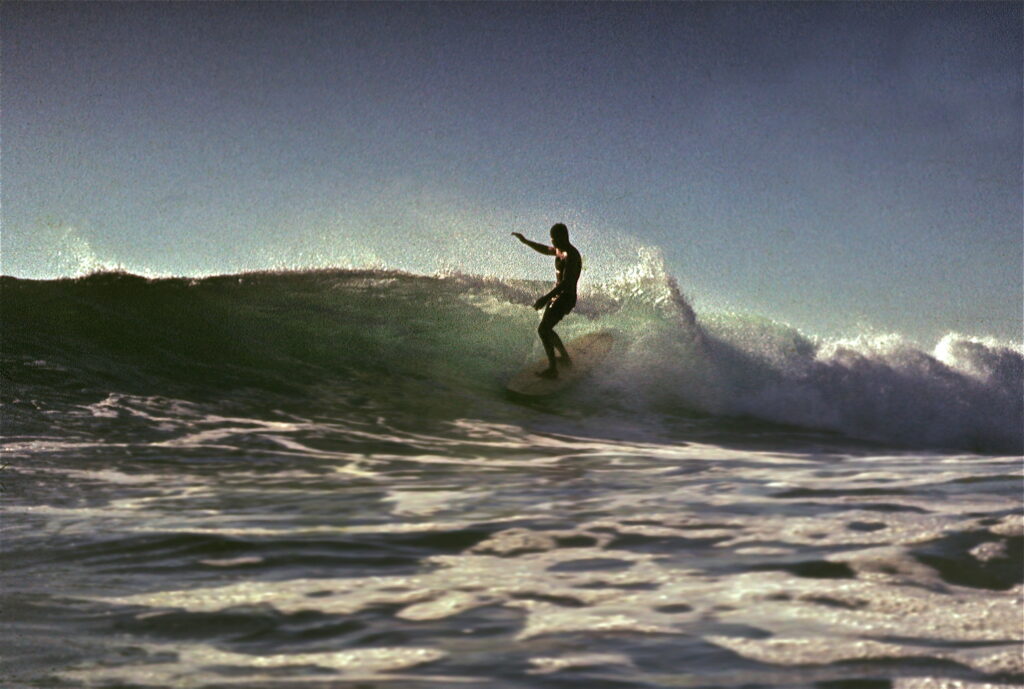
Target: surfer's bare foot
<point>565,361</point>
<point>548,373</point>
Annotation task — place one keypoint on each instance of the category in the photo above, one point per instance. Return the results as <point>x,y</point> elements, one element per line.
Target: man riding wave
<point>560,300</point>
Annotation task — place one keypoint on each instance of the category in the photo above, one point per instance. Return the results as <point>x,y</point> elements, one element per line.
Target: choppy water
<point>317,479</point>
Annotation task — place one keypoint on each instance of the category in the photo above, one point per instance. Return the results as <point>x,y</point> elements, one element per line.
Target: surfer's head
<point>560,235</point>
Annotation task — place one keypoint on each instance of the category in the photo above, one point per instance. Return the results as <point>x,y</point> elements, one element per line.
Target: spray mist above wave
<point>404,227</point>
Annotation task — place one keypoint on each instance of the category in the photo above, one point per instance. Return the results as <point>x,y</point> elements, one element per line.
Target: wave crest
<point>391,338</point>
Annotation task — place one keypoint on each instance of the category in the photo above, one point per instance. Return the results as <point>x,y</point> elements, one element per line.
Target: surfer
<point>560,300</point>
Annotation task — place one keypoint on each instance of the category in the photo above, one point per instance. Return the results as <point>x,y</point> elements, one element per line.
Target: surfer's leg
<point>564,305</point>
<point>564,359</point>
<point>548,338</point>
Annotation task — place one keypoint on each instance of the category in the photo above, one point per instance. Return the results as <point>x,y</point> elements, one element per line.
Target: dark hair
<point>560,232</point>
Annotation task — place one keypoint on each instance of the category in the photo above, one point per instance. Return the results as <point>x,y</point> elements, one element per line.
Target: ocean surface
<point>318,479</point>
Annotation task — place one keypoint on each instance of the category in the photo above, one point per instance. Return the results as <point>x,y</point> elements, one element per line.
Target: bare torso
<point>568,265</point>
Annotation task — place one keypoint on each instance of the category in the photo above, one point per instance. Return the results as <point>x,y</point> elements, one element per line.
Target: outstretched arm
<point>539,248</point>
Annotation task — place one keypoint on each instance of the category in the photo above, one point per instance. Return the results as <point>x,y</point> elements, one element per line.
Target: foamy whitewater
<point>317,479</point>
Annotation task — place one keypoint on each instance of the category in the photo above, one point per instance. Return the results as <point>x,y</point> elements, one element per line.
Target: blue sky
<point>837,166</point>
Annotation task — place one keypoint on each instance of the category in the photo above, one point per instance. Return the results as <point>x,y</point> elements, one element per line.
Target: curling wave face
<point>367,342</point>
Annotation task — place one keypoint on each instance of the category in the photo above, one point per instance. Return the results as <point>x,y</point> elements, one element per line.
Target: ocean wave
<point>443,343</point>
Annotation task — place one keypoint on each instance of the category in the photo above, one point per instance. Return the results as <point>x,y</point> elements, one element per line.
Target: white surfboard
<point>586,352</point>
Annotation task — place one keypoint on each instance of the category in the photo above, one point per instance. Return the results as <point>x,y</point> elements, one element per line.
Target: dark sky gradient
<point>837,166</point>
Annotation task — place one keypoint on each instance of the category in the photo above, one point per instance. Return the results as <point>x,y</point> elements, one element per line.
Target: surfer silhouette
<point>560,300</point>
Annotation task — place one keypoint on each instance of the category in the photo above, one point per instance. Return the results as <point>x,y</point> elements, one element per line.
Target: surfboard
<point>587,352</point>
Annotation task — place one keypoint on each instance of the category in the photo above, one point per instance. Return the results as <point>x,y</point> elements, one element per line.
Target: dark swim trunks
<point>557,308</point>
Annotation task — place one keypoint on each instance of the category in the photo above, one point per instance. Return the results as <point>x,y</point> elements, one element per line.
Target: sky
<point>842,167</point>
